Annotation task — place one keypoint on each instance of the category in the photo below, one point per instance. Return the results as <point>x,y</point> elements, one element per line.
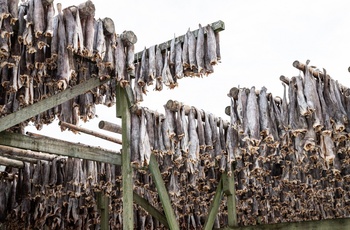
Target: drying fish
<point>49,20</point>
<point>185,58</point>
<point>178,61</point>
<point>172,52</point>
<point>100,42</point>
<point>185,139</point>
<point>253,118</point>
<point>193,153</point>
<point>159,69</point>
<point>200,50</point>
<point>264,117</point>
<point>120,64</point>
<point>302,105</point>
<point>166,74</point>
<point>191,50</point>
<point>144,147</point>
<point>211,45</point>
<point>38,18</point>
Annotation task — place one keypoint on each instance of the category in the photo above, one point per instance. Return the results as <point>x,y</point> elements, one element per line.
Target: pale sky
<point>260,43</point>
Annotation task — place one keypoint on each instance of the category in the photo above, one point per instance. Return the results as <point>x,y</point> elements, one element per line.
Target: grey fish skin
<point>193,153</point>
<point>178,61</point>
<point>38,18</point>
<point>185,60</point>
<point>185,139</point>
<point>99,43</point>
<point>312,99</point>
<point>218,51</point>
<point>264,113</point>
<point>302,105</point>
<point>150,126</point>
<point>166,74</point>
<point>119,59</point>
<point>207,132</point>
<point>253,117</point>
<point>62,62</point>
<point>145,148</point>
<point>200,129</point>
<point>130,67</point>
<point>152,62</point>
<point>211,45</point>
<point>242,110</point>
<point>200,50</point>
<point>192,50</point>
<point>233,115</point>
<point>159,69</point>
<point>172,52</point>
<point>284,108</point>
<point>70,27</point>
<point>292,105</point>
<point>144,69</point>
<point>135,139</point>
<point>325,115</point>
<point>78,39</point>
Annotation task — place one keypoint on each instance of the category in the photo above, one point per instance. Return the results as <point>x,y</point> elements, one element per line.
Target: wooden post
<point>214,207</point>
<point>123,111</point>
<point>163,193</point>
<point>102,204</point>
<point>228,184</point>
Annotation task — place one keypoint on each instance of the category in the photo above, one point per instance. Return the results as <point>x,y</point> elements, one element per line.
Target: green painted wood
<point>163,193</point>
<point>150,209</point>
<point>123,104</point>
<point>102,205</point>
<point>214,207</point>
<point>330,224</point>
<point>228,184</point>
<point>32,110</point>
<point>59,147</point>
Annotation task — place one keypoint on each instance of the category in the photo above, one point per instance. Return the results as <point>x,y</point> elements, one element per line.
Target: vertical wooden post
<point>163,194</point>
<point>123,111</point>
<point>102,204</point>
<point>230,192</point>
<point>214,207</point>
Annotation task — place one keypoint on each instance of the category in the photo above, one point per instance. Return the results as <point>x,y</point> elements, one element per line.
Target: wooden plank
<point>30,111</point>
<point>59,147</point>
<point>214,207</point>
<point>228,184</point>
<point>16,152</point>
<point>109,126</point>
<point>10,162</point>
<point>90,132</point>
<point>330,224</point>
<point>127,171</point>
<point>102,205</point>
<point>150,209</point>
<point>217,27</point>
<point>163,193</point>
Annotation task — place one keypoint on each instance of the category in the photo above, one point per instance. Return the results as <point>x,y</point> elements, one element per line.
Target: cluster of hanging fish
<point>190,56</point>
<point>291,156</point>
<point>192,148</point>
<point>59,194</point>
<point>42,54</point>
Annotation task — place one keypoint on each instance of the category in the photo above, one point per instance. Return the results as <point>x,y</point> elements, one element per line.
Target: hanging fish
<point>193,153</point>
<point>185,58</point>
<point>166,74</point>
<point>172,52</point>
<point>191,50</point>
<point>200,50</point>
<point>211,45</point>
<point>152,64</point>
<point>253,118</point>
<point>144,146</point>
<point>178,61</point>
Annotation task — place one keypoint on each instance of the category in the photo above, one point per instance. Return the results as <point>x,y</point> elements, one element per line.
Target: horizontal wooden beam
<point>26,153</point>
<point>10,162</point>
<point>59,147</point>
<point>341,223</point>
<point>41,106</point>
<point>217,27</point>
<point>109,126</point>
<point>90,132</point>
<point>150,209</point>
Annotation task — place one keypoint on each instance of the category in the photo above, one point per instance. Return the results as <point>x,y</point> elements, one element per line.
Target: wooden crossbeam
<point>59,147</point>
<point>41,106</point>
<point>214,207</point>
<point>217,27</point>
<point>228,186</point>
<point>163,193</point>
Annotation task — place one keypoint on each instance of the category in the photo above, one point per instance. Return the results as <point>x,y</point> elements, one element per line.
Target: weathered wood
<point>90,132</point>
<point>163,193</point>
<point>234,91</point>
<point>102,205</point>
<point>10,162</point>
<point>26,153</point>
<point>128,37</point>
<point>314,72</point>
<point>108,26</point>
<point>174,106</point>
<point>150,209</point>
<point>86,9</point>
<point>214,207</point>
<point>127,181</point>
<point>228,187</point>
<point>19,158</point>
<point>59,147</point>
<point>32,110</point>
<point>284,79</point>
<point>217,27</point>
<point>109,126</point>
<point>329,224</point>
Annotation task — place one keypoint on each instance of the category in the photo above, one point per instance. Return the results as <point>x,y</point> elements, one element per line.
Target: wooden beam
<point>90,132</point>
<point>102,205</point>
<point>214,207</point>
<point>123,105</point>
<point>26,153</point>
<point>150,209</point>
<point>59,147</point>
<point>163,193</point>
<point>217,27</point>
<point>109,126</point>
<point>32,110</point>
<point>10,162</point>
<point>228,185</point>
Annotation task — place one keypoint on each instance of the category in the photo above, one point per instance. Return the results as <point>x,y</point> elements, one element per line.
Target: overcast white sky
<point>260,43</point>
